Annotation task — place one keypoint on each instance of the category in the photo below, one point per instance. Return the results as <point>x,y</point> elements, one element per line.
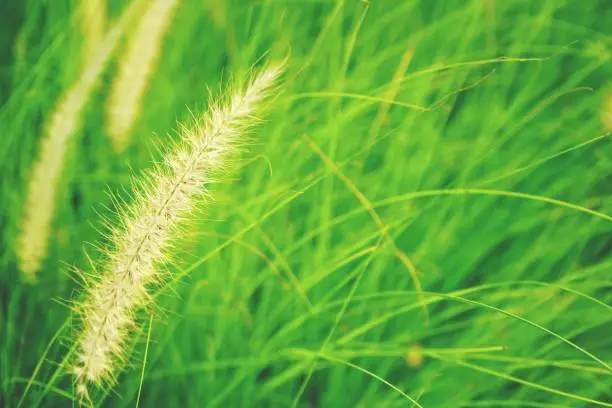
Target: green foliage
<point>485,163</point>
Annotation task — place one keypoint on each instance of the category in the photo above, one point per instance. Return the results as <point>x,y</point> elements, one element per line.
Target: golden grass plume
<point>135,68</point>
<point>139,246</point>
<point>93,16</point>
<point>64,123</point>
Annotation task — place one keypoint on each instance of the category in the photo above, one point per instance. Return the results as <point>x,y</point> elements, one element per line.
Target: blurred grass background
<point>403,130</point>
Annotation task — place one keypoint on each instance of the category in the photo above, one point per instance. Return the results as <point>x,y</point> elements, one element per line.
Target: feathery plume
<point>148,225</point>
<point>93,26</point>
<point>135,69</point>
<point>32,242</point>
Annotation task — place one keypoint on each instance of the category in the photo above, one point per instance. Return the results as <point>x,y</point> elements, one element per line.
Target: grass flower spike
<point>147,227</point>
<point>93,26</point>
<point>135,69</point>
<point>32,242</point>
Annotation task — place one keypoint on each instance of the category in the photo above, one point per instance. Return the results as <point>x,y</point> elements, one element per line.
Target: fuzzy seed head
<point>148,226</point>
<point>93,26</point>
<point>135,69</point>
<point>32,242</point>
